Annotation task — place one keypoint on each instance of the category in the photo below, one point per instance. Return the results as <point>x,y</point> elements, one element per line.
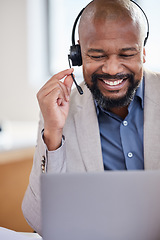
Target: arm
<point>54,105</point>
<point>53,100</point>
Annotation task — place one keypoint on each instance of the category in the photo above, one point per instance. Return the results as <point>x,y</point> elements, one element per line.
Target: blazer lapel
<point>152,121</point>
<point>87,130</point>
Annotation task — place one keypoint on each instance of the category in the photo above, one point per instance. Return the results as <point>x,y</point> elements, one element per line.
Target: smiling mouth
<point>114,83</point>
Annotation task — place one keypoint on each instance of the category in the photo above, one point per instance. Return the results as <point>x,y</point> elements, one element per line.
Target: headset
<point>75,50</point>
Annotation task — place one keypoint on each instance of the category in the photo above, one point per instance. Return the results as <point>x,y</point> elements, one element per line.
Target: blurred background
<point>35,37</point>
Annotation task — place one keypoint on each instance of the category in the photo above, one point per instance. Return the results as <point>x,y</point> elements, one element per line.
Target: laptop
<point>114,205</point>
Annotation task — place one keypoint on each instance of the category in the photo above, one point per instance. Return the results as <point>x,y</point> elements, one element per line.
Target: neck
<point>121,111</point>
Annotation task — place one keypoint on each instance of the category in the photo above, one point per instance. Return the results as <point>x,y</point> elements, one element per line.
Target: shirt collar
<point>140,93</point>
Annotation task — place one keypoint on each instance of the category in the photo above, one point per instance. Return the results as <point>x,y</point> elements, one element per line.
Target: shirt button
<point>130,154</point>
<point>125,123</point>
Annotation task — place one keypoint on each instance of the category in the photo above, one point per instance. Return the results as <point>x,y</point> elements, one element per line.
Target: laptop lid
<point>121,205</point>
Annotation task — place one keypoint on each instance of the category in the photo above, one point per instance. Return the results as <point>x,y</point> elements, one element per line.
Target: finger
<point>53,98</point>
<point>54,91</point>
<point>68,82</point>
<point>62,74</point>
<point>65,91</point>
<point>57,77</point>
<point>65,87</point>
<point>55,82</point>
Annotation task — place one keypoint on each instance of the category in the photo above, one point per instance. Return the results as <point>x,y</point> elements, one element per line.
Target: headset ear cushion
<point>75,55</point>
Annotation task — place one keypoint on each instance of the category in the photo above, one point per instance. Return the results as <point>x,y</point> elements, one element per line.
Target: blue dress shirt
<point>122,140</point>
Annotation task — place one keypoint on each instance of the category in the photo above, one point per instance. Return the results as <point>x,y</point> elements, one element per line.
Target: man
<point>114,125</point>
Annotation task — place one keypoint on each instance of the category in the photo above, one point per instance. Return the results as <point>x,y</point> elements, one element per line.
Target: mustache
<point>110,77</point>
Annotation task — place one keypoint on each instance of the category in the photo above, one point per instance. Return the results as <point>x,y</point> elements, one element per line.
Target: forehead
<point>118,31</point>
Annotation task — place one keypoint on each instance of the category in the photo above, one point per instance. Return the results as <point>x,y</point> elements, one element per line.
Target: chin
<point>108,102</point>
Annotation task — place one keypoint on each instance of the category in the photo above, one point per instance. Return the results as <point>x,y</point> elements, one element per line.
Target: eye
<point>96,57</point>
<point>127,55</point>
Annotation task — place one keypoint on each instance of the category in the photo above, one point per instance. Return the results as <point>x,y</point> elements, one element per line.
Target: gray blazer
<point>82,131</point>
<point>82,149</point>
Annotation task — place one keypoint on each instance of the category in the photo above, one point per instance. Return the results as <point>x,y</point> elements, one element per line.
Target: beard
<point>109,102</point>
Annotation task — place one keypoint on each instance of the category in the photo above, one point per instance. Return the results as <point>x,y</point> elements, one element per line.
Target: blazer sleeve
<point>55,162</point>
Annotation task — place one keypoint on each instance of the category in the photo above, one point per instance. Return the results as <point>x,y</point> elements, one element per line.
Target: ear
<point>144,55</point>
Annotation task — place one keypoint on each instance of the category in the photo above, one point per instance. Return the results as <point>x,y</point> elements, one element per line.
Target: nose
<point>112,66</point>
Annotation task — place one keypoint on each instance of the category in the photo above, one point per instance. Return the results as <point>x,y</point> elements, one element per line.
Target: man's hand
<point>53,100</point>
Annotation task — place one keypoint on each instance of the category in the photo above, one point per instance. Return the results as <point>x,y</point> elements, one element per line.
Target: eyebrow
<point>95,50</point>
<point>128,49</point>
<point>102,51</point>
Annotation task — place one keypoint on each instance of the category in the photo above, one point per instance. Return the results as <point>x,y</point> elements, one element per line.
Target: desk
<point>15,167</point>
<point>32,235</point>
<point>8,234</point>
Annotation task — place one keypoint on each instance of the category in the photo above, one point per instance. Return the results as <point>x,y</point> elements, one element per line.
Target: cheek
<point>139,75</point>
<point>88,65</point>
<point>86,75</point>
<point>88,69</point>
<point>138,69</point>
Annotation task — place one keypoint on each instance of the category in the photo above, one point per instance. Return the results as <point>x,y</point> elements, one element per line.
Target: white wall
<point>17,96</point>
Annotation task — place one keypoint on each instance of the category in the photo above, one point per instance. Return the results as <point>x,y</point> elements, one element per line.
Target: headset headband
<point>79,15</point>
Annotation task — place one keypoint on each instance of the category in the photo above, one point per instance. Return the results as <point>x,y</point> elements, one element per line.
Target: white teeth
<point>113,83</point>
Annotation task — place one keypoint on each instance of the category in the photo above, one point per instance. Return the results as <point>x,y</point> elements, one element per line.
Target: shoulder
<point>152,85</point>
<point>151,76</point>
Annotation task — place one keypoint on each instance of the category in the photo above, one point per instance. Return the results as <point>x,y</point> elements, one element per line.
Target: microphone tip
<point>80,90</point>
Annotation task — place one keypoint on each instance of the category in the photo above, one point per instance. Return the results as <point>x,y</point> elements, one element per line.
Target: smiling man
<point>113,53</point>
<point>115,124</point>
